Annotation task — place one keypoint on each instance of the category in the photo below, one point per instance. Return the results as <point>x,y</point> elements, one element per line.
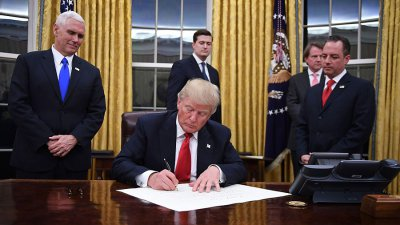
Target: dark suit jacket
<point>182,71</point>
<point>344,124</point>
<point>36,107</point>
<point>155,139</point>
<point>298,87</point>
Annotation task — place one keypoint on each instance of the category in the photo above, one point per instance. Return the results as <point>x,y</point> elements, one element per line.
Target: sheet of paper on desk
<point>184,199</point>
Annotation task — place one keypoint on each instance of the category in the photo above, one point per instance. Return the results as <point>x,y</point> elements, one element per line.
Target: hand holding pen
<point>169,169</point>
<point>164,180</point>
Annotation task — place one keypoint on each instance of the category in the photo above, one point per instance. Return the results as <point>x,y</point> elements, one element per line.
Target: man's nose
<point>193,116</point>
<point>75,38</point>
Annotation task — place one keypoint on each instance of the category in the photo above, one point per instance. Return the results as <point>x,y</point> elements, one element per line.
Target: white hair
<point>63,17</point>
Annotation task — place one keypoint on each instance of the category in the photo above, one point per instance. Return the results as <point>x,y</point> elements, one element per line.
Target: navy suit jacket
<point>298,87</point>
<point>182,71</point>
<point>344,124</point>
<point>36,107</point>
<point>155,139</point>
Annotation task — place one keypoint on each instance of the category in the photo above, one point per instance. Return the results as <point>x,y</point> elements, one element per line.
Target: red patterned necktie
<point>327,91</point>
<point>182,171</point>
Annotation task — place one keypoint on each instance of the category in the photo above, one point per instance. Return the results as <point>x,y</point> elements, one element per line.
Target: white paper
<point>184,199</point>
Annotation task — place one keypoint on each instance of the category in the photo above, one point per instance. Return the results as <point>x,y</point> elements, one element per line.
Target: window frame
<point>156,65</point>
<point>353,62</point>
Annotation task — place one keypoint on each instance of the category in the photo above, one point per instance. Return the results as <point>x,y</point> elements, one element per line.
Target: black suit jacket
<point>344,124</point>
<point>298,87</point>
<point>36,107</point>
<point>155,139</point>
<point>182,71</point>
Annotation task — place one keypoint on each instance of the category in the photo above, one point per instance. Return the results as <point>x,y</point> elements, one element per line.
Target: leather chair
<point>128,123</point>
<point>254,164</point>
<point>102,160</point>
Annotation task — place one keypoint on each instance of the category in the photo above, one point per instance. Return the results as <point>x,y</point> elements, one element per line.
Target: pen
<point>167,164</point>
<point>169,168</point>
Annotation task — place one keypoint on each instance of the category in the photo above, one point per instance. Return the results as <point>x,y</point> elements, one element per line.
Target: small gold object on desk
<point>381,206</point>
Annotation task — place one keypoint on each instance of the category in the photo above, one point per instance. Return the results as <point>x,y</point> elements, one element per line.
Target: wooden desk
<point>97,202</point>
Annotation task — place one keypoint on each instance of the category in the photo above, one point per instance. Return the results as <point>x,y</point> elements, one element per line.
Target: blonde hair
<point>202,92</point>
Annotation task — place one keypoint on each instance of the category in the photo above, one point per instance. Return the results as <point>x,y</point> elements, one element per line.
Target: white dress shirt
<point>57,61</point>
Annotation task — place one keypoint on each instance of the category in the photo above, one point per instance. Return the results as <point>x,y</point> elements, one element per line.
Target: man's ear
<point>55,30</point>
<point>347,58</point>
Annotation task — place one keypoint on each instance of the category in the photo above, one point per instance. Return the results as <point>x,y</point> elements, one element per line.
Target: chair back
<point>128,123</point>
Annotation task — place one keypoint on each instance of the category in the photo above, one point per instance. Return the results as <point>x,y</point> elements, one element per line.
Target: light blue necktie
<point>203,71</point>
<point>63,79</point>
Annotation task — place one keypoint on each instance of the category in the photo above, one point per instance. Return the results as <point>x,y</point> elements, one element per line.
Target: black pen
<point>167,164</point>
<point>169,168</point>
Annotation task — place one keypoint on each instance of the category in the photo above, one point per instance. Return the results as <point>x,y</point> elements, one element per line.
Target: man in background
<point>182,146</point>
<point>57,101</point>
<point>298,87</point>
<point>338,114</point>
<point>195,66</point>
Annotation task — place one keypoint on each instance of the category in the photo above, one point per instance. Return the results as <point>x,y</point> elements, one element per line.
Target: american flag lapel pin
<point>341,86</point>
<point>76,68</point>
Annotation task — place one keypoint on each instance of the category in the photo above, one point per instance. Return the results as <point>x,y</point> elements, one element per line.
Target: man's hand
<point>164,180</point>
<point>206,180</point>
<point>61,145</point>
<point>305,158</point>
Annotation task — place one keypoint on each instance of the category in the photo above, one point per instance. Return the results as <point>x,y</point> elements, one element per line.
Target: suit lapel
<point>305,80</point>
<point>213,76</point>
<point>196,66</point>
<point>76,75</point>
<point>339,89</point>
<point>50,71</point>
<point>168,140</point>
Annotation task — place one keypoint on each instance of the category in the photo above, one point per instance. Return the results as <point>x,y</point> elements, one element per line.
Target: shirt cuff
<point>222,177</point>
<point>141,180</point>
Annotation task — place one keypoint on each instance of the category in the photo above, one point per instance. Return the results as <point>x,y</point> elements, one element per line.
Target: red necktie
<point>327,91</point>
<point>182,171</point>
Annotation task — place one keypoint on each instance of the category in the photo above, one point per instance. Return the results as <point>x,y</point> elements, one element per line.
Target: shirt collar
<point>58,56</point>
<point>198,60</point>
<point>338,77</point>
<point>319,72</point>
<point>180,132</point>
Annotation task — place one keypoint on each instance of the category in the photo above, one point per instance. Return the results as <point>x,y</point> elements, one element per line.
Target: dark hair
<point>201,32</point>
<point>345,42</point>
<point>309,46</point>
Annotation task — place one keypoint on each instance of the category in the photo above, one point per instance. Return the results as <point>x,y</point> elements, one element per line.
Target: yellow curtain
<point>108,46</point>
<point>241,52</point>
<point>243,35</point>
<point>387,142</point>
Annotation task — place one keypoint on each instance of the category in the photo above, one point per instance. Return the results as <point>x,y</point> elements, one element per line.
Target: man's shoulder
<point>157,117</point>
<point>217,128</point>
<point>357,80</point>
<point>186,60</point>
<point>83,62</point>
<point>300,75</point>
<point>35,54</point>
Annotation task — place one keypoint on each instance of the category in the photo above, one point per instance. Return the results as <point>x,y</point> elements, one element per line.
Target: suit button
<point>320,117</point>
<point>318,133</point>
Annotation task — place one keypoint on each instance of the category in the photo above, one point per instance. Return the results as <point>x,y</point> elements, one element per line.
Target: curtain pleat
<point>387,142</point>
<point>242,46</point>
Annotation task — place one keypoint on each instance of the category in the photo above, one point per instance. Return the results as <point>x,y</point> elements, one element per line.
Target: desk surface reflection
<point>97,202</point>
